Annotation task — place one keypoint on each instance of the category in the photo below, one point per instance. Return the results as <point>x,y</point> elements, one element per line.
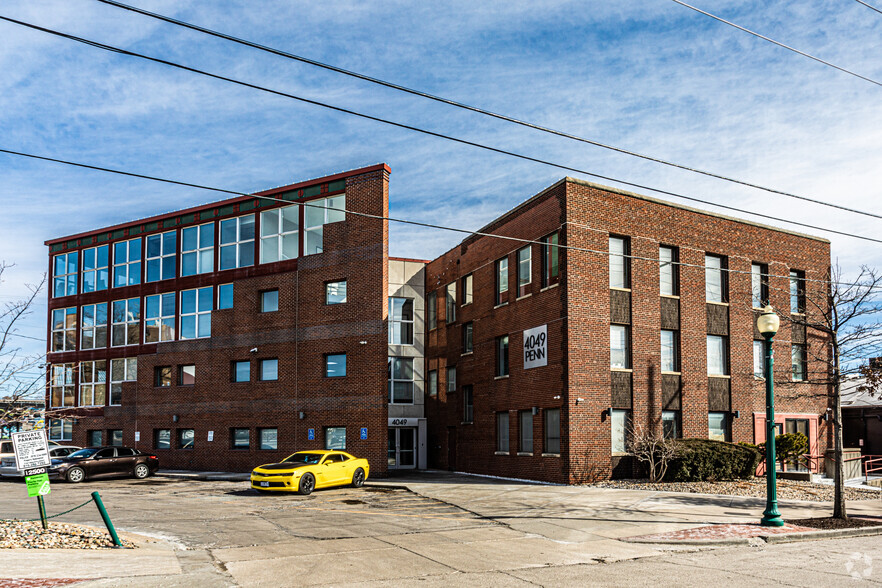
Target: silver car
<point>7,462</point>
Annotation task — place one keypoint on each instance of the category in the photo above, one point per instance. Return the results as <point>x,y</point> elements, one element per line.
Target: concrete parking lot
<point>426,530</point>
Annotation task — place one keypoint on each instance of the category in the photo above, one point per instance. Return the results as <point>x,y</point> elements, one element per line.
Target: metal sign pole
<point>42,506</point>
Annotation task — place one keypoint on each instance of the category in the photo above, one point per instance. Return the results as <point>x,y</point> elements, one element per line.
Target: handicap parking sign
<point>363,433</point>
<point>310,434</point>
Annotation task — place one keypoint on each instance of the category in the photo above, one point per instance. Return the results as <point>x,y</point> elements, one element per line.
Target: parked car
<point>304,471</point>
<point>99,462</point>
<point>7,463</point>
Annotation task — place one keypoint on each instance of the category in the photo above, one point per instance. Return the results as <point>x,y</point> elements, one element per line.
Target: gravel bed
<point>787,489</point>
<point>31,535</point>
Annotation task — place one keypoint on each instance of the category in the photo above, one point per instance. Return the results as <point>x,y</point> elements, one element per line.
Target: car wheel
<point>358,478</point>
<point>75,475</point>
<point>307,484</point>
<point>141,471</point>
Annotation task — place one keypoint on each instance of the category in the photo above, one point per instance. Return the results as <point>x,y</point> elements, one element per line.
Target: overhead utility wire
<point>427,132</point>
<point>788,47</point>
<point>870,6</point>
<point>385,218</point>
<point>476,109</point>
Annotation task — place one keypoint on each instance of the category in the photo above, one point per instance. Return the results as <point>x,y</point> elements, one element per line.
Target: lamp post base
<point>772,518</point>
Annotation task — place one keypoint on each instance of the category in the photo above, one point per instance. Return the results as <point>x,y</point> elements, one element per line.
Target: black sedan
<point>99,462</point>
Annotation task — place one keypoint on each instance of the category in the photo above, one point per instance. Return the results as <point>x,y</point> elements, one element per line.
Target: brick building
<point>233,333</point>
<point>541,359</point>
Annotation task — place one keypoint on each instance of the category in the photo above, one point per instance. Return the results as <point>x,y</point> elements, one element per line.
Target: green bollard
<point>42,506</point>
<point>97,498</point>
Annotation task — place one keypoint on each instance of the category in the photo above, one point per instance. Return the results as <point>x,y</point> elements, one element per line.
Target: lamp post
<point>767,324</point>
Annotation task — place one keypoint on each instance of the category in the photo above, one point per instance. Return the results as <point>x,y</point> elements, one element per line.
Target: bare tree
<point>18,381</point>
<point>847,318</point>
<point>651,447</point>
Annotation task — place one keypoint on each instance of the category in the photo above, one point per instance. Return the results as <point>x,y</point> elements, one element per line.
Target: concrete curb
<point>770,539</point>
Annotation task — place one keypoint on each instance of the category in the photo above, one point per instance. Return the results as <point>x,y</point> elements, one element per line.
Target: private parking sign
<point>31,450</point>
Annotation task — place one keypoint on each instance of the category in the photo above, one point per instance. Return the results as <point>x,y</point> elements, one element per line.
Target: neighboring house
<point>861,418</point>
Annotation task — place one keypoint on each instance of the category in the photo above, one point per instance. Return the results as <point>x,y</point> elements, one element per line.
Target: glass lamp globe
<point>767,322</point>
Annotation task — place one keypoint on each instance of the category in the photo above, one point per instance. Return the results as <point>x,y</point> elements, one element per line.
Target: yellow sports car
<point>305,471</point>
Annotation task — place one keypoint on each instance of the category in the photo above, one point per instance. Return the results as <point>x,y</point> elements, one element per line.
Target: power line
<point>770,40</point>
<point>399,220</point>
<point>870,6</point>
<point>476,109</point>
<point>407,127</point>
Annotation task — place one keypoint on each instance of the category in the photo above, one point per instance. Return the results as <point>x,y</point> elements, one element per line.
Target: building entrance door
<point>402,448</point>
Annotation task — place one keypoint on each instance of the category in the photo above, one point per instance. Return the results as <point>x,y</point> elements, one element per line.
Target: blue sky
<point>647,75</point>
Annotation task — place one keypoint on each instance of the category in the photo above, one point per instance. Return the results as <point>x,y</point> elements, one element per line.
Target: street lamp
<point>767,324</point>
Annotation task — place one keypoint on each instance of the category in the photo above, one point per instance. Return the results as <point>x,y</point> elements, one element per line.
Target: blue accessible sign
<point>310,434</point>
<point>363,433</point>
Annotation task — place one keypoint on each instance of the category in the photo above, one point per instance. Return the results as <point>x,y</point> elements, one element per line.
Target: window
<point>451,302</point>
<point>186,375</point>
<point>797,292</point>
<point>269,301</point>
<point>335,438</point>
<point>432,383</point>
<point>64,274</point>
<point>269,370</point>
<point>670,352</point>
<point>161,256</point>
<point>61,385</point>
<point>620,424</point>
<point>759,358</point>
<point>121,370</point>
<point>468,345</point>
<point>279,234</point>
<point>95,439</point>
<point>620,352</point>
<point>240,438</point>
<point>162,376</point>
<point>197,250</point>
<point>400,321</point>
<point>525,431</point>
<point>159,318</point>
<point>60,430</point>
<point>467,290</point>
<point>451,379</point>
<point>335,365</point>
<point>115,436</point>
<point>502,432</point>
<point>502,356</point>
<point>671,424</point>
<point>432,310</point>
<point>759,284</point>
<point>269,438</point>
<point>798,361</point>
<point>552,430</point>
<point>126,318</point>
<point>619,263</point>
<point>237,242</point>
<point>550,260</point>
<point>96,268</point>
<point>319,213</point>
<point>718,426</point>
<point>668,278</point>
<point>525,271</point>
<point>468,408</point>
<point>717,355</point>
<point>224,296</point>
<point>714,284</point>
<point>93,326</point>
<point>501,281</point>
<point>186,438</point>
<point>196,313</point>
<point>162,438</point>
<point>400,380</point>
<point>241,371</point>
<point>335,292</point>
<point>127,263</point>
<point>93,383</point>
<point>64,329</point>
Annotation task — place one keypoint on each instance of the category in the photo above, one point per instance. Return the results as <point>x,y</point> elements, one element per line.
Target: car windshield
<point>310,458</point>
<point>88,452</point>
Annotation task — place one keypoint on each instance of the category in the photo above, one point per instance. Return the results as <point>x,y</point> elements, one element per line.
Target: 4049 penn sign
<point>536,347</point>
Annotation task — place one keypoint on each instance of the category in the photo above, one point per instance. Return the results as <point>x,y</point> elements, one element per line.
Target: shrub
<point>700,460</point>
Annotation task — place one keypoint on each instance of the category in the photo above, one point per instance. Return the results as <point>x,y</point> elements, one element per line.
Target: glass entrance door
<point>402,448</point>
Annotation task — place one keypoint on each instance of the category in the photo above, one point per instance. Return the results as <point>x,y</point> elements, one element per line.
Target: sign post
<point>32,455</point>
